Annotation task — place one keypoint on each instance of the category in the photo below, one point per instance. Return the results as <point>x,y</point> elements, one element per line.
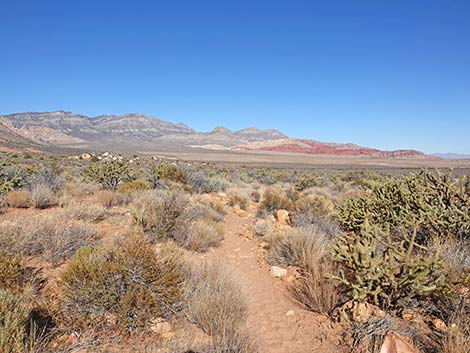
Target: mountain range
<point>33,131</point>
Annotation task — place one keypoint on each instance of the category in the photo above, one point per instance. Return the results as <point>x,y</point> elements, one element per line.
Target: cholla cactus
<point>109,173</point>
<point>379,270</point>
<point>437,204</point>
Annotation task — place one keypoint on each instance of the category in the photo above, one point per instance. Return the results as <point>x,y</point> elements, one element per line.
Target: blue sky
<point>386,74</point>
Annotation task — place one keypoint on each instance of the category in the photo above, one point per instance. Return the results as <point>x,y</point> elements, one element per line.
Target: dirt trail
<point>275,331</point>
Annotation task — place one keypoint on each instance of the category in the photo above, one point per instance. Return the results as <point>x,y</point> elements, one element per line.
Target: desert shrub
<point>275,198</point>
<point>377,269</point>
<point>42,196</point>
<point>256,196</point>
<point>12,177</point>
<point>108,198</point>
<point>134,186</point>
<point>128,282</point>
<point>161,215</point>
<point>262,227</point>
<point>49,178</point>
<point>211,202</point>
<point>18,199</point>
<point>109,173</point>
<point>239,197</point>
<point>215,302</point>
<point>53,237</point>
<point>198,211</point>
<point>437,204</point>
<point>18,333</point>
<point>202,235</point>
<point>201,183</point>
<point>15,275</point>
<point>312,207</point>
<point>302,247</point>
<point>165,171</point>
<point>307,181</point>
<point>83,212</point>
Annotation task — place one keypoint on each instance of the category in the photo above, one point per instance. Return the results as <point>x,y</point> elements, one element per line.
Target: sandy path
<point>275,331</point>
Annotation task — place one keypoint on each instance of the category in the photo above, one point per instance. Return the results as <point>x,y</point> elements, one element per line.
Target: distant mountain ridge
<point>140,132</point>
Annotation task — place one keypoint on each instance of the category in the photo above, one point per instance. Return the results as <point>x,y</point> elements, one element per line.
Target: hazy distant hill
<point>451,155</point>
<point>139,132</point>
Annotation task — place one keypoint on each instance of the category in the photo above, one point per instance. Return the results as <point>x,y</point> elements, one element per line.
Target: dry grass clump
<point>301,247</point>
<point>276,198</point>
<point>84,212</point>
<point>42,196</point>
<point>457,336</point>
<point>127,284</point>
<point>162,215</point>
<point>313,291</point>
<point>18,199</point>
<point>456,255</point>
<point>202,235</point>
<point>18,334</point>
<point>216,304</point>
<point>108,198</point>
<point>309,249</point>
<point>48,236</point>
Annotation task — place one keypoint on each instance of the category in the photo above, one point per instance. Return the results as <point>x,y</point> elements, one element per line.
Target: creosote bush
<point>127,284</point>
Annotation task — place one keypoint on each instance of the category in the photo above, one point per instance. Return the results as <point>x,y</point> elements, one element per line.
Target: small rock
<point>290,313</point>
<point>278,272</point>
<point>283,217</point>
<point>439,324</point>
<point>395,343</point>
<point>292,275</point>
<point>85,156</point>
<point>161,327</point>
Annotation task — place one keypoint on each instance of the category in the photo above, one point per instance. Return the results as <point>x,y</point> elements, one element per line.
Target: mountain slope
<point>139,132</point>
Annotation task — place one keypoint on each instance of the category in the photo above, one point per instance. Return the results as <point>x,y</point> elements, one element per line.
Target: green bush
<point>109,173</point>
<point>308,180</point>
<point>134,186</point>
<point>378,269</point>
<point>435,203</point>
<point>128,284</point>
<point>165,171</point>
<point>14,275</point>
<point>18,333</point>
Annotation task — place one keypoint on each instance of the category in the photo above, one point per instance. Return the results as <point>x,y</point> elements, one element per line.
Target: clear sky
<point>387,74</point>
